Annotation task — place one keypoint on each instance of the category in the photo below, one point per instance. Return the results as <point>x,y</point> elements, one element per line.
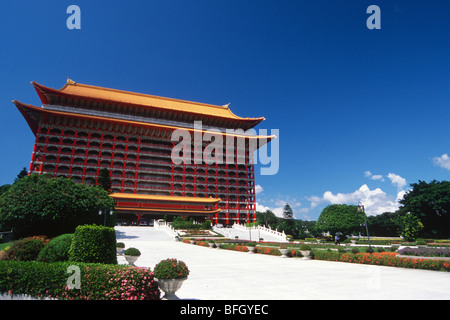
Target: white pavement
<point>217,274</point>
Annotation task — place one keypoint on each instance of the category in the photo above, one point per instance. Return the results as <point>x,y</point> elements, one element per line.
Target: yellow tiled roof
<point>127,97</point>
<point>132,196</point>
<point>22,107</point>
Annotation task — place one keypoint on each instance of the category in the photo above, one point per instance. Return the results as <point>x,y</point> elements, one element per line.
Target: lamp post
<point>361,209</point>
<point>106,211</point>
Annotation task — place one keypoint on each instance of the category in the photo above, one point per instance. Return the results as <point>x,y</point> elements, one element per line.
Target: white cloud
<point>258,189</point>
<point>442,161</point>
<point>397,180</point>
<point>369,175</point>
<point>278,211</point>
<point>261,207</point>
<point>375,201</point>
<point>278,206</point>
<point>315,201</point>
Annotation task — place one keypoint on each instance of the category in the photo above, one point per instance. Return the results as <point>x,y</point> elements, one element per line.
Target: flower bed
<point>425,252</point>
<point>235,247</point>
<point>268,250</point>
<point>383,259</point>
<point>97,281</point>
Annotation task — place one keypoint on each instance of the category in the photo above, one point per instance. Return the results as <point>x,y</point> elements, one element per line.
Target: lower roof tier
<point>169,204</point>
<point>34,115</point>
<point>158,198</point>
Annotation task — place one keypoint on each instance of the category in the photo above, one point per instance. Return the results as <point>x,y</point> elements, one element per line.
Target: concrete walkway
<point>229,275</point>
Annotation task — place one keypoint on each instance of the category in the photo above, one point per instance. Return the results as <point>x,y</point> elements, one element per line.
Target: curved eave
<point>168,210</point>
<point>75,90</point>
<point>25,109</point>
<point>130,196</point>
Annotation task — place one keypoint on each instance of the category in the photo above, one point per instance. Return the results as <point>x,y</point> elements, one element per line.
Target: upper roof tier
<point>112,100</point>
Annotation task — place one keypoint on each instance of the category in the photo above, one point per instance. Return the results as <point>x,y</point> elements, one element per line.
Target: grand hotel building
<point>81,129</point>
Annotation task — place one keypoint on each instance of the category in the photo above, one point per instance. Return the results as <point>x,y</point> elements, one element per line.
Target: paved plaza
<point>217,274</point>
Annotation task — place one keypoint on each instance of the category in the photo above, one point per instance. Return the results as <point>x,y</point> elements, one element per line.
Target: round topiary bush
<point>171,269</point>
<point>57,249</point>
<point>132,252</point>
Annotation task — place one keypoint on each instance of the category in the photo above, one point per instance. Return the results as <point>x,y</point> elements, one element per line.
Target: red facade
<point>81,129</point>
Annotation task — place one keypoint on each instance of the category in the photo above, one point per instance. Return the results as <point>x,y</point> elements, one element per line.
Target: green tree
<point>410,226</point>
<point>22,173</point>
<point>430,203</point>
<point>267,218</point>
<point>288,226</point>
<point>340,218</point>
<point>4,188</point>
<point>287,212</point>
<point>40,204</point>
<point>384,225</point>
<point>104,179</point>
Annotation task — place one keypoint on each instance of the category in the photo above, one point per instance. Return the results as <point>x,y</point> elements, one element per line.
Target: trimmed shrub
<point>26,249</point>
<point>421,242</point>
<point>268,250</point>
<point>180,223</point>
<point>326,255</point>
<point>98,281</point>
<point>57,249</point>
<point>93,244</point>
<point>230,246</point>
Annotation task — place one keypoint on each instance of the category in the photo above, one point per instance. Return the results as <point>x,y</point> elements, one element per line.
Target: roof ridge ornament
<point>70,81</point>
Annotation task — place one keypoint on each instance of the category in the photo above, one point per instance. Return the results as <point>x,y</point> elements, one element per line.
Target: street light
<point>106,211</point>
<point>361,209</point>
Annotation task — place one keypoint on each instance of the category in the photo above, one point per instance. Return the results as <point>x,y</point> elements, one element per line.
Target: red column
<point>33,158</point>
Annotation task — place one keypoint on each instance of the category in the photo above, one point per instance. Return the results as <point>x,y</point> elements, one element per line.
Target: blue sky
<point>361,113</point>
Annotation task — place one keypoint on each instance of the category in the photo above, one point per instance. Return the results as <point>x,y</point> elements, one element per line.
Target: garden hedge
<point>97,281</point>
<point>93,244</point>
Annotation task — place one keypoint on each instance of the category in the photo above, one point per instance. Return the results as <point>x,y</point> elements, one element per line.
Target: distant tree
<point>43,205</point>
<point>267,218</point>
<point>340,218</point>
<point>104,179</point>
<point>430,203</point>
<point>22,173</point>
<point>410,226</point>
<point>384,225</point>
<point>207,225</point>
<point>287,212</point>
